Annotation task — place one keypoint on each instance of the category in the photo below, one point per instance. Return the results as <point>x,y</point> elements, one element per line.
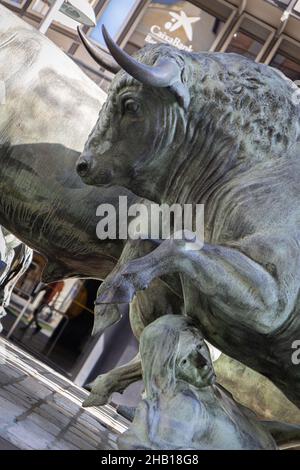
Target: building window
<point>280,3</point>
<point>287,58</point>
<point>249,38</point>
<point>40,6</point>
<point>115,16</point>
<point>179,23</point>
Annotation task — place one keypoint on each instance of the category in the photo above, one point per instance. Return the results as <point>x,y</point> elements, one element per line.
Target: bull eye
<point>131,106</point>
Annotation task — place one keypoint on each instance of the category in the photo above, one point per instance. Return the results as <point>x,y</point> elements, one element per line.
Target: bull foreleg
<point>157,300</point>
<point>240,287</point>
<point>147,306</point>
<point>141,313</point>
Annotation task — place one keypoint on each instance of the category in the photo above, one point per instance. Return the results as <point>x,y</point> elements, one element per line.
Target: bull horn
<point>102,58</point>
<point>162,75</point>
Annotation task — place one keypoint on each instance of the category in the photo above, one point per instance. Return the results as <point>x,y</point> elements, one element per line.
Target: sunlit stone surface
<point>40,409</point>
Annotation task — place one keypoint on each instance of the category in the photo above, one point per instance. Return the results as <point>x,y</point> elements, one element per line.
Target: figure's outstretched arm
<point>285,434</point>
<point>114,381</point>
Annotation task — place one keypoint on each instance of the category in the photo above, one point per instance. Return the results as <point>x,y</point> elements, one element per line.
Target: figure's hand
<point>101,390</point>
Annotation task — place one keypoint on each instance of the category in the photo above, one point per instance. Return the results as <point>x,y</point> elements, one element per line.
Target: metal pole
<point>46,22</point>
<point>66,321</point>
<point>18,319</point>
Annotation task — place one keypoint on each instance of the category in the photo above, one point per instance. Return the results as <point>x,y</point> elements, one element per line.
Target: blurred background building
<point>55,324</point>
<point>265,30</point>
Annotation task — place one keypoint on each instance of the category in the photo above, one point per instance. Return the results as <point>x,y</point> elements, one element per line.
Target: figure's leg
<point>26,327</point>
<point>34,318</point>
<point>285,434</point>
<point>114,381</point>
<point>241,288</point>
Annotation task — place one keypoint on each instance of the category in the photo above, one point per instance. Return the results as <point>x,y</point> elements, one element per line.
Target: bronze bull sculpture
<point>50,107</point>
<point>220,130</point>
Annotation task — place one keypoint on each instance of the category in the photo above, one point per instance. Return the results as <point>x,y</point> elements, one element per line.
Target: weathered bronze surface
<point>224,132</point>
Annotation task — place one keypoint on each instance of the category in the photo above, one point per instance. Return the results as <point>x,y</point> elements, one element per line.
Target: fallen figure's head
<point>184,407</point>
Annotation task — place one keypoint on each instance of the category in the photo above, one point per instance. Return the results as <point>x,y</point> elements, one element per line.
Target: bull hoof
<point>122,294</point>
<point>105,316</point>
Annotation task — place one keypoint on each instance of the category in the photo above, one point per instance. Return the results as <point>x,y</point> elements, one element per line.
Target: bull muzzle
<point>91,173</point>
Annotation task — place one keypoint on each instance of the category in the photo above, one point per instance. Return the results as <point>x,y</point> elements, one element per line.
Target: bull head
<point>165,74</point>
<point>133,124</point>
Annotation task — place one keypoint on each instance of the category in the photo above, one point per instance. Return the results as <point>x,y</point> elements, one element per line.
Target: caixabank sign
<point>177,23</point>
<point>182,24</point>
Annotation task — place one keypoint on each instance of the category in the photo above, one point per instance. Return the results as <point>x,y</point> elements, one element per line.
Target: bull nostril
<point>82,167</point>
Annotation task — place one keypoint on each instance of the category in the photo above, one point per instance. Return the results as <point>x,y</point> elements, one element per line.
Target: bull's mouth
<point>90,174</point>
<point>102,179</point>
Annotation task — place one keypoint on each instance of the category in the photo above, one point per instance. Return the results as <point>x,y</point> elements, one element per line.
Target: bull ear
<point>181,93</point>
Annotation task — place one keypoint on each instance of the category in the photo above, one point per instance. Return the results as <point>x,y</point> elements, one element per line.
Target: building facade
<point>266,31</point>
